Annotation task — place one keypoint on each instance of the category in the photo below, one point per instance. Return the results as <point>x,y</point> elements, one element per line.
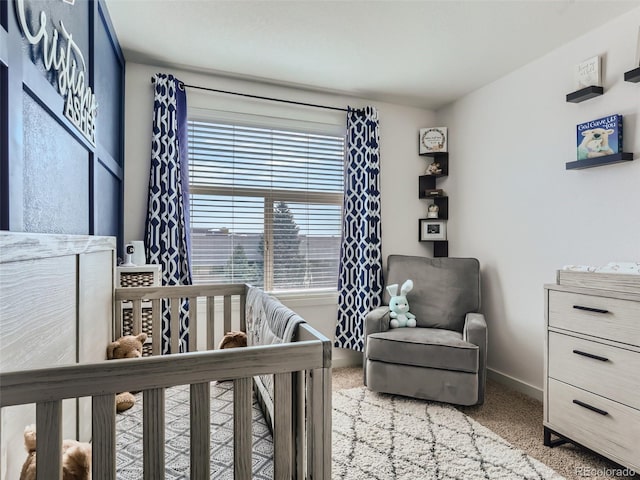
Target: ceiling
<point>423,53</point>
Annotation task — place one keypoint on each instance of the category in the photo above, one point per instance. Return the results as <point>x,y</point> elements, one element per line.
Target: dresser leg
<point>552,443</point>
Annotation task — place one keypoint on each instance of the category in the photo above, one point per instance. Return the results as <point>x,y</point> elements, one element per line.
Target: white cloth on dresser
<point>629,268</point>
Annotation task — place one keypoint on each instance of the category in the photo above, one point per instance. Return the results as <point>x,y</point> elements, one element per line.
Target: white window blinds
<point>266,206</point>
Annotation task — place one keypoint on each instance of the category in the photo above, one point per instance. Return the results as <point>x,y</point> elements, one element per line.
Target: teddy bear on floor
<point>129,346</point>
<point>76,458</point>
<point>399,306</point>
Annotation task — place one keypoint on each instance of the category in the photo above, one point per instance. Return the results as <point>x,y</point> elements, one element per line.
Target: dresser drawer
<point>615,434</point>
<point>607,371</point>
<point>602,317</point>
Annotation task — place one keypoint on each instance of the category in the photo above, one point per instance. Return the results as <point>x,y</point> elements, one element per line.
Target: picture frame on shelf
<point>432,230</point>
<point>587,73</point>
<point>433,140</point>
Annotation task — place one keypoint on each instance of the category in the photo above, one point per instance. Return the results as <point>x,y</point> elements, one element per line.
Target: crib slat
<point>137,317</point>
<point>193,324</point>
<point>118,312</point>
<point>242,442</point>
<point>243,308</point>
<point>153,433</point>
<point>227,313</point>
<point>199,408</point>
<point>282,435</point>
<point>49,440</point>
<point>211,316</point>
<point>156,327</point>
<point>103,425</point>
<point>175,325</point>
<point>299,425</point>
<point>319,423</point>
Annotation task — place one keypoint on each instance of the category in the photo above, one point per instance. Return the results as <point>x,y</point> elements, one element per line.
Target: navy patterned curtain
<point>360,277</point>
<point>167,236</point>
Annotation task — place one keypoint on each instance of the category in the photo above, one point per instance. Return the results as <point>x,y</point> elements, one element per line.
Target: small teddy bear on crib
<point>129,346</point>
<point>399,306</point>
<point>76,458</point>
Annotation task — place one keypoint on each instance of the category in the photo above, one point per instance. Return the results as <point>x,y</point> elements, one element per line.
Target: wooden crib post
<point>49,440</point>
<point>200,418</point>
<point>156,326</point>
<point>175,325</point>
<point>227,314</point>
<point>282,434</point>
<point>319,423</point>
<point>242,441</point>
<point>153,433</point>
<point>193,324</point>
<point>103,421</point>
<point>211,318</point>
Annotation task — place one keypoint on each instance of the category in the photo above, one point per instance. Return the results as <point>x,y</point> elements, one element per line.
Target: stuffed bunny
<point>399,306</point>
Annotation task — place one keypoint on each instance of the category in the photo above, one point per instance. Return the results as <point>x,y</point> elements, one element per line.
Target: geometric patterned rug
<point>381,436</point>
<point>177,437</point>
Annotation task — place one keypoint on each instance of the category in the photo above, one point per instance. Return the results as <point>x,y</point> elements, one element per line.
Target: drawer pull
<point>590,309</point>
<point>589,407</point>
<point>591,355</point>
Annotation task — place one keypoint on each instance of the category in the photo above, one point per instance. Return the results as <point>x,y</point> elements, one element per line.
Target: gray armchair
<point>444,357</point>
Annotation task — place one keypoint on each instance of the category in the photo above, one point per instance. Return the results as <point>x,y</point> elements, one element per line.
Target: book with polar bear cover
<point>600,137</point>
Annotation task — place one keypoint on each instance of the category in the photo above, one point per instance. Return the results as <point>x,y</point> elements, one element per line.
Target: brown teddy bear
<point>76,458</point>
<point>129,346</point>
<point>233,340</point>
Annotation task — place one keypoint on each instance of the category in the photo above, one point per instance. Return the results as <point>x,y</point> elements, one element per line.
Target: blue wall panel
<point>56,175</point>
<point>108,87</point>
<point>107,200</point>
<point>50,177</point>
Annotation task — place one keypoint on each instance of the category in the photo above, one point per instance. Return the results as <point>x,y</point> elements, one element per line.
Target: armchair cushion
<point>445,289</point>
<point>424,347</point>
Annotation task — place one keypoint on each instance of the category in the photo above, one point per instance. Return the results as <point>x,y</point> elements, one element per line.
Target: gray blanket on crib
<point>268,322</point>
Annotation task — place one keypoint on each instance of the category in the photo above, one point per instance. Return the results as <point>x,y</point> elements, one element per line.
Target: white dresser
<point>592,364</point>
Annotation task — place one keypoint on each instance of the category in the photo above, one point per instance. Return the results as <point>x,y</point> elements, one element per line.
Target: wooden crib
<point>57,310</point>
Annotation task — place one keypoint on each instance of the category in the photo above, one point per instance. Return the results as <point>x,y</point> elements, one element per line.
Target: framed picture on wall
<point>432,230</point>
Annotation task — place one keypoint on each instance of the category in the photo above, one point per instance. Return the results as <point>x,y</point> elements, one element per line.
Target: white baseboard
<point>346,358</point>
<point>515,384</point>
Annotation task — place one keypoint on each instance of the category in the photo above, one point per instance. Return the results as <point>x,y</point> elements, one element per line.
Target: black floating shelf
<point>599,161</point>
<point>584,94</point>
<point>632,75</point>
<point>435,154</point>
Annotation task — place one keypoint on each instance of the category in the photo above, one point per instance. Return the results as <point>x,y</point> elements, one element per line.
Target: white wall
<point>400,163</point>
<point>515,207</point>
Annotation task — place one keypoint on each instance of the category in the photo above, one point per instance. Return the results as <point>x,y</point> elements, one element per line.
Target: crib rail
<point>174,296</point>
<point>48,387</point>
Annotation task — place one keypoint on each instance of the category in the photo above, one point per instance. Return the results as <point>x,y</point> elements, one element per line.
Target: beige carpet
<point>518,419</point>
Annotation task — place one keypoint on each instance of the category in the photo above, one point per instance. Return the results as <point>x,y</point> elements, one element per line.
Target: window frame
<point>270,195</point>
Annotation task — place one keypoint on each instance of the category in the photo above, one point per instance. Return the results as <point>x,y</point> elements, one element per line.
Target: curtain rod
<point>182,85</point>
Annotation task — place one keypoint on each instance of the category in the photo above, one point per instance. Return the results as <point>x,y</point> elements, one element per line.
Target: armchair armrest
<point>475,332</point>
<point>475,329</point>
<point>377,320</point>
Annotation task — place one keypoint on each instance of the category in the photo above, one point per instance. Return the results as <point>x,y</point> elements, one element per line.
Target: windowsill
<point>304,298</point>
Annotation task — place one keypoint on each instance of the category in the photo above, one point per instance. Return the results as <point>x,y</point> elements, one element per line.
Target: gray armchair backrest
<point>444,289</point>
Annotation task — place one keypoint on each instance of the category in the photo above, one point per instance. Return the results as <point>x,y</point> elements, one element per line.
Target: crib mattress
<point>129,437</point>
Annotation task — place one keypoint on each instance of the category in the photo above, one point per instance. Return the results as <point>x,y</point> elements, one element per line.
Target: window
<point>266,206</point>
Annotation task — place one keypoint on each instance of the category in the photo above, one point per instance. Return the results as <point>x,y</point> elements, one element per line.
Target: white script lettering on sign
<point>80,102</point>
